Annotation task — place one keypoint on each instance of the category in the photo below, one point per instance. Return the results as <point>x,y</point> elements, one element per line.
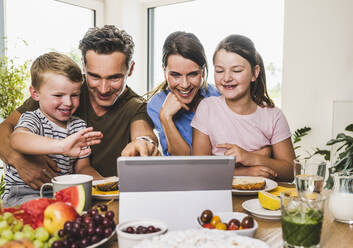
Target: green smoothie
<point>302,229</point>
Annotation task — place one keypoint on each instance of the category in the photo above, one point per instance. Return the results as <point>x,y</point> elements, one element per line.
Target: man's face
<point>106,75</point>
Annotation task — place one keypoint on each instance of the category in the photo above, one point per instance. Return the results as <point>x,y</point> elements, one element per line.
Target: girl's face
<point>233,75</point>
<point>184,77</point>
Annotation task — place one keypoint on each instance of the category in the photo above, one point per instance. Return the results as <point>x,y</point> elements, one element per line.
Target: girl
<point>243,119</point>
<point>173,102</point>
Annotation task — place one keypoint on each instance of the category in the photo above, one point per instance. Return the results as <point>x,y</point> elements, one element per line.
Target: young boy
<point>51,129</point>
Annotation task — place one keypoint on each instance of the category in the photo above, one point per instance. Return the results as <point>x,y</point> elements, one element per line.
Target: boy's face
<point>58,97</point>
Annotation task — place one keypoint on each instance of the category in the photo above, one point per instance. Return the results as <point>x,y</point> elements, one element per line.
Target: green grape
<point>27,227</point>
<point>17,225</point>
<point>7,234</point>
<point>3,225</point>
<point>52,240</point>
<point>8,217</point>
<point>19,236</point>
<point>29,234</point>
<point>38,244</point>
<point>41,234</point>
<point>3,241</point>
<point>46,245</point>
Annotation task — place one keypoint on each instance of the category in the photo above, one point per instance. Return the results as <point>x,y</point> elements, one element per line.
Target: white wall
<point>317,64</point>
<point>128,15</point>
<point>317,59</point>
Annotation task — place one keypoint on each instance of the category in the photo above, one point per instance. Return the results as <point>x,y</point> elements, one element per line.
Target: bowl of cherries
<point>132,232</point>
<point>238,222</point>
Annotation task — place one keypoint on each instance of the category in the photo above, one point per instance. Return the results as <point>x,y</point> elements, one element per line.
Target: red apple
<point>56,214</point>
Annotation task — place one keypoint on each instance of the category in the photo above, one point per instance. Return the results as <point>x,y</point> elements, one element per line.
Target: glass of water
<point>309,175</point>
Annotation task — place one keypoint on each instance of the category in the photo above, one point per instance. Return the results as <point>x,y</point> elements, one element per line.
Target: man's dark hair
<point>107,40</point>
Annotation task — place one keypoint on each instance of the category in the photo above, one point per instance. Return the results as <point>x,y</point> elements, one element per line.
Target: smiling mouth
<point>230,86</point>
<point>65,111</point>
<point>185,93</point>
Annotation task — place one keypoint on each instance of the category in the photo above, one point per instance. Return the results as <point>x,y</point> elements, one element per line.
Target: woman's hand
<point>171,106</point>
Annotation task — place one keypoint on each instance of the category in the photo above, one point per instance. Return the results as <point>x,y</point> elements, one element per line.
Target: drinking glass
<point>302,218</point>
<point>309,175</point>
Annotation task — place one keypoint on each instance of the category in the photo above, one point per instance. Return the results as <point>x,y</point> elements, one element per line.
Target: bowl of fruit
<point>132,232</point>
<point>237,222</point>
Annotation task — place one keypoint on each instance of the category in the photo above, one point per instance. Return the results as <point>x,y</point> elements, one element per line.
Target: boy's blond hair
<point>57,63</point>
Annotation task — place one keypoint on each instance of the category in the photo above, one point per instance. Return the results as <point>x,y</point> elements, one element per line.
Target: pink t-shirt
<point>266,126</point>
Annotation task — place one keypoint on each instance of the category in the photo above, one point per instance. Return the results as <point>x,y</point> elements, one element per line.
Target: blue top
<point>182,118</point>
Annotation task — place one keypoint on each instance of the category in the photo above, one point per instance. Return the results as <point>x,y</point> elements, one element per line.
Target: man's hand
<point>35,170</point>
<point>140,148</point>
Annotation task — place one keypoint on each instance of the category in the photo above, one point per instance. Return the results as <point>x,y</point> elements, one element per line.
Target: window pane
<point>45,25</point>
<point>211,21</point>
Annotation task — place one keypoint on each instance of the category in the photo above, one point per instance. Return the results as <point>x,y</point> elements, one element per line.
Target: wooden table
<point>334,234</point>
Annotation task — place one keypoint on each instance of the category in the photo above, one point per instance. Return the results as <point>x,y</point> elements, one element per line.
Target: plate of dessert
<point>247,185</point>
<point>105,189</point>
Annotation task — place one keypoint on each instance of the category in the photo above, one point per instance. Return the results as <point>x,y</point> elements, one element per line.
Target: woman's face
<point>184,77</point>
<point>233,75</point>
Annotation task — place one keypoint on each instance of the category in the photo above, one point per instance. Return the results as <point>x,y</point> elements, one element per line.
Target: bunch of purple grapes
<point>88,229</point>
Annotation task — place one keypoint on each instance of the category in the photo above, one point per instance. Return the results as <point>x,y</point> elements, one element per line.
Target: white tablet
<point>174,189</point>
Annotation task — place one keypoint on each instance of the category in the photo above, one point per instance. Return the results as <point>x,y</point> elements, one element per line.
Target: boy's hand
<point>77,144</point>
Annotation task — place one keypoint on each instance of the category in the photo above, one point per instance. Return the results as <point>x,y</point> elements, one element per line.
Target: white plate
<point>104,196</point>
<point>270,185</point>
<point>254,207</point>
<point>102,241</point>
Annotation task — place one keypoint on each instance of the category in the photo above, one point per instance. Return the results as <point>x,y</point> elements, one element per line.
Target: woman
<point>173,103</point>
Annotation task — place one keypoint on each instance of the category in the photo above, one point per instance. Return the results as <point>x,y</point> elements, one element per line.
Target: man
<point>106,103</point>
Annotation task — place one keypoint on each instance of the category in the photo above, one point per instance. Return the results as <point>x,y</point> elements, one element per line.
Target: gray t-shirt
<point>38,123</point>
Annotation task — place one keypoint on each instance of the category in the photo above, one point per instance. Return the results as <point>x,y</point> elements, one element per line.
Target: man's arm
<point>34,170</point>
<point>141,147</point>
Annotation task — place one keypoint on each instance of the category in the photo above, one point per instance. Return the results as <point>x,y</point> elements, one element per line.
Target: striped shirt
<point>38,123</point>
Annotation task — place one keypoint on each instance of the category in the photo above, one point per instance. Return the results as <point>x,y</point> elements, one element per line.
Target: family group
<point>81,121</point>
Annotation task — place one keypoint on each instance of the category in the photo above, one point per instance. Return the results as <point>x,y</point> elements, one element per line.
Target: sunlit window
<point>34,27</point>
<point>211,21</point>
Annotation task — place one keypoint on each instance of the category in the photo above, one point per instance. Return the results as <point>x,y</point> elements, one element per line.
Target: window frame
<point>148,12</point>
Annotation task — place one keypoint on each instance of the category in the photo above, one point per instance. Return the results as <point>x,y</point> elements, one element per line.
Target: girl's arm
<point>75,145</point>
<point>201,144</point>
<point>83,166</point>
<point>281,163</point>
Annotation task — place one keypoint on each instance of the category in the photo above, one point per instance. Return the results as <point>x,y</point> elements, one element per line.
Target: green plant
<point>298,135</point>
<point>13,80</point>
<point>344,161</point>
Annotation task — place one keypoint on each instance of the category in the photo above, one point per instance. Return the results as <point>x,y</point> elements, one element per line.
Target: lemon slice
<point>269,201</point>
